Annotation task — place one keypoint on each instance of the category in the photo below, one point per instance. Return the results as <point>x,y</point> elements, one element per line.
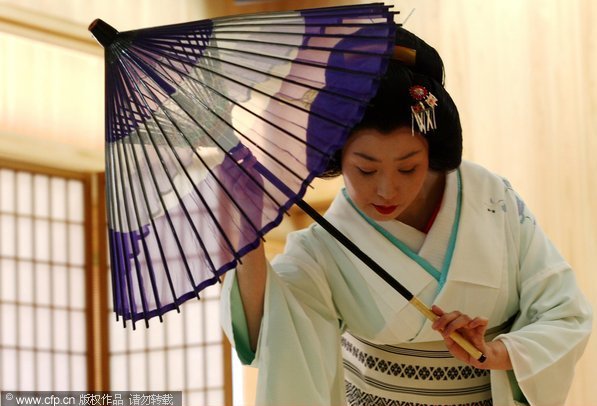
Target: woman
<point>324,330</point>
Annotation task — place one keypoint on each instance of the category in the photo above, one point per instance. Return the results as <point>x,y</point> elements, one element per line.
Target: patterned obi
<point>422,374</point>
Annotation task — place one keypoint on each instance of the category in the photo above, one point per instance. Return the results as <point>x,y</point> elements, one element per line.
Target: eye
<point>366,172</point>
<point>407,171</point>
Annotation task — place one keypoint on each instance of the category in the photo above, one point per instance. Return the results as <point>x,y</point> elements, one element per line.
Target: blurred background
<point>523,74</point>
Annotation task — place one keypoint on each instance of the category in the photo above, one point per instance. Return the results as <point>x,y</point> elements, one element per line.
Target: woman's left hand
<point>473,329</point>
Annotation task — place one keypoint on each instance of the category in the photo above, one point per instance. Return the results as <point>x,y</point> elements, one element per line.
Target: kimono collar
<point>439,275</point>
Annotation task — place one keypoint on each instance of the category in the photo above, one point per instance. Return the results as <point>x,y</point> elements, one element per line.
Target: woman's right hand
<point>473,330</point>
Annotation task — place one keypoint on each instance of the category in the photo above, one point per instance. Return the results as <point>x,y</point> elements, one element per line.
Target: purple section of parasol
<point>327,136</point>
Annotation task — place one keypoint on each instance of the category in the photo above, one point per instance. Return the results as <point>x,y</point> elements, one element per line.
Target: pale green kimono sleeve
<point>238,324</point>
<point>554,323</point>
<point>298,352</point>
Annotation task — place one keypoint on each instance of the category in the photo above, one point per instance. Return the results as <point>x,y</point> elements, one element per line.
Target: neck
<point>419,213</point>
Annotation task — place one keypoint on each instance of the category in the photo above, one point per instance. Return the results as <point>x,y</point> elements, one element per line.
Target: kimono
<point>484,255</point>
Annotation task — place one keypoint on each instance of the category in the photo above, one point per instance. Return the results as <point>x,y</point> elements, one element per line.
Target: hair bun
<point>419,56</point>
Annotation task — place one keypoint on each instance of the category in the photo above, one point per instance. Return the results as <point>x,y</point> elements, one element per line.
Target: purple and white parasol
<point>215,128</point>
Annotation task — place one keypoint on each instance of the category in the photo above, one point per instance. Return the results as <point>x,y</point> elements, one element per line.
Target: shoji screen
<point>43,329</point>
<point>187,353</point>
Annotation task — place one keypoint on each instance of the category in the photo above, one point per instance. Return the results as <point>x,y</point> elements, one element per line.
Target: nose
<point>386,188</point>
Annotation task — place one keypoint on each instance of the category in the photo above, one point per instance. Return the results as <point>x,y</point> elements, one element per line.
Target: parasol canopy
<point>215,128</point>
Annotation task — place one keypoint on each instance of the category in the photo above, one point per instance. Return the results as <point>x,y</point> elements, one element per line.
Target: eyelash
<point>365,173</point>
<point>402,171</point>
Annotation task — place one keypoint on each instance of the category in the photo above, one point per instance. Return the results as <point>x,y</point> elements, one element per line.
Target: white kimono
<point>494,261</point>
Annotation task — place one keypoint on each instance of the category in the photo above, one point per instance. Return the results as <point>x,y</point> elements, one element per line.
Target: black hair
<point>391,106</point>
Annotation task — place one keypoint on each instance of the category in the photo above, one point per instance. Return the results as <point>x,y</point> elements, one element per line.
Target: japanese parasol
<point>214,128</point>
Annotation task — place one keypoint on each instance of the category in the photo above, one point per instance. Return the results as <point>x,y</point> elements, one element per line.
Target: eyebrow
<point>373,159</point>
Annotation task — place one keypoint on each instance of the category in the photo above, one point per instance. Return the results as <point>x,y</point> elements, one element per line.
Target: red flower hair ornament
<point>423,111</point>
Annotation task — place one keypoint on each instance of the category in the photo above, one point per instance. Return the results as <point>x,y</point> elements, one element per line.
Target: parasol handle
<point>459,339</point>
<point>382,273</point>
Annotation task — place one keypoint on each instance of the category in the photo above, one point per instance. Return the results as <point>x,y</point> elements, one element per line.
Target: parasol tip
<point>103,32</point>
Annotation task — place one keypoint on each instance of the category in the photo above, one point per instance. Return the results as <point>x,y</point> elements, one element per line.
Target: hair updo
<point>414,63</point>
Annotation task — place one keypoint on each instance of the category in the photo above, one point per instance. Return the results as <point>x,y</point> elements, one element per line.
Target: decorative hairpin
<point>423,111</point>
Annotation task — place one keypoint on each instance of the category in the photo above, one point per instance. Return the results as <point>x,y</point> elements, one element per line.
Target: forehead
<point>394,144</point>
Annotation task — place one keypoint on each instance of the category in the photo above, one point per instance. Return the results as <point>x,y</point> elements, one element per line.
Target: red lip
<point>385,209</point>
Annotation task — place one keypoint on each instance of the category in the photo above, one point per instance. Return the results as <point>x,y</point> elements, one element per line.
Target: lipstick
<point>385,209</point>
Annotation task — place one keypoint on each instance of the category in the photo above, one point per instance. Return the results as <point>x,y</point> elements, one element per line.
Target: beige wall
<point>524,74</point>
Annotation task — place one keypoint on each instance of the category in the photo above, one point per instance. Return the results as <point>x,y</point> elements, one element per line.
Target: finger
<point>448,319</point>
<point>460,353</point>
<point>437,310</point>
<point>478,322</point>
<point>461,321</point>
<point>456,350</point>
<point>476,330</point>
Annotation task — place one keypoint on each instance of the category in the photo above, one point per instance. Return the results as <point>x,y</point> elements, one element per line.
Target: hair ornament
<point>406,55</point>
<point>423,111</point>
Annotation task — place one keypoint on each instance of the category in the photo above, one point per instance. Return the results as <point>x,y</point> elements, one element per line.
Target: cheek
<point>359,190</point>
<point>415,185</point>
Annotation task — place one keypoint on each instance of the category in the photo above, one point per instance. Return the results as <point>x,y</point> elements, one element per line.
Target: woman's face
<point>384,173</point>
